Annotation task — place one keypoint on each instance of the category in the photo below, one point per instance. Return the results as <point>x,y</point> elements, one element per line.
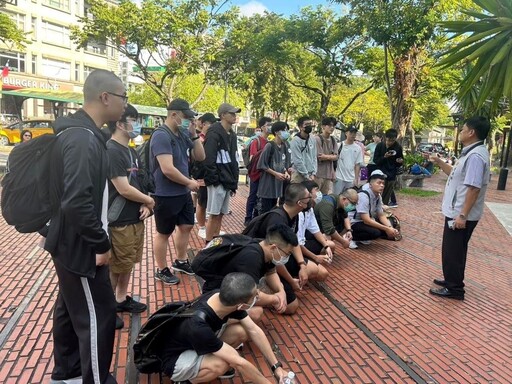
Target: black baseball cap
<point>181,105</point>
<point>352,129</point>
<point>208,117</point>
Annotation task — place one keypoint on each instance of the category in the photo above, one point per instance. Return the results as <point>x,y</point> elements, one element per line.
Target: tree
<point>180,37</point>
<point>9,31</point>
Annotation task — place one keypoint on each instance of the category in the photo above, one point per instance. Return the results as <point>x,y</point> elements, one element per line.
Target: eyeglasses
<point>307,198</point>
<point>124,97</point>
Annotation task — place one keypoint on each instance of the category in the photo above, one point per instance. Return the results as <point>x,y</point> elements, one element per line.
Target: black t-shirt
<point>119,165</point>
<point>195,333</point>
<point>250,260</point>
<point>274,217</point>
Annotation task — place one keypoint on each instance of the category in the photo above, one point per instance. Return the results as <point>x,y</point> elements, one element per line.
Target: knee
<point>292,307</point>
<point>322,273</point>
<point>255,313</point>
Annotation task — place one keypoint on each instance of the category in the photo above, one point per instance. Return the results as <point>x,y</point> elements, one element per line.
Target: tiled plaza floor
<point>373,321</point>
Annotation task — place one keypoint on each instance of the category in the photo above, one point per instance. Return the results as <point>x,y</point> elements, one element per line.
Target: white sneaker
<point>353,245</point>
<point>366,242</point>
<point>222,233</point>
<point>202,232</point>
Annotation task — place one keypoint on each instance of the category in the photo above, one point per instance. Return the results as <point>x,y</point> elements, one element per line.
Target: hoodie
<point>221,162</point>
<point>76,232</point>
<point>304,155</point>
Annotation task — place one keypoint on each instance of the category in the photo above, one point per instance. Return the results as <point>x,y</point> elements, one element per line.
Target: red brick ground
<point>373,321</point>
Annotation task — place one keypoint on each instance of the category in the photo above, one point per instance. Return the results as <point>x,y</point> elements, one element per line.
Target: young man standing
<point>370,149</point>
<point>273,164</point>
<point>198,173</point>
<point>463,204</point>
<point>303,149</point>
<point>127,229</point>
<point>169,162</point>
<point>327,150</point>
<point>256,146</point>
<point>389,157</point>
<point>202,348</point>
<point>84,313</point>
<point>221,167</point>
<point>349,163</point>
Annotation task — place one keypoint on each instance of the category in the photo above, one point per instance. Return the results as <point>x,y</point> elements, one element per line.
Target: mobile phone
<point>451,224</point>
<point>392,153</point>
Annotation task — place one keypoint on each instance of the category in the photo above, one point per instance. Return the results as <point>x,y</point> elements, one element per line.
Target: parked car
<point>431,147</point>
<point>37,126</point>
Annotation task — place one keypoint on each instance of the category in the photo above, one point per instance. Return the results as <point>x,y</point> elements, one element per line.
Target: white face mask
<point>319,197</point>
<point>282,261</point>
<point>258,133</point>
<point>248,306</point>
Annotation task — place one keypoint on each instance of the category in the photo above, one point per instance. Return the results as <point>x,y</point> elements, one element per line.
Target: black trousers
<point>84,321</point>
<point>454,254</point>
<point>363,232</point>
<point>389,187</point>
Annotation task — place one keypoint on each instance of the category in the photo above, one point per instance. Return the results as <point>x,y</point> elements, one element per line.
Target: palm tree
<point>488,49</point>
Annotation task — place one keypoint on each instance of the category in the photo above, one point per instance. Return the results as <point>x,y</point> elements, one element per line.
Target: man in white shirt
<point>349,163</point>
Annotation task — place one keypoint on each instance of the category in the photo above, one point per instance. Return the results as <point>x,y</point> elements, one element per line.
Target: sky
<point>286,7</point>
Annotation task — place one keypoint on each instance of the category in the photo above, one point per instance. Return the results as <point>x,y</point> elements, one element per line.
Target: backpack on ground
<point>217,253</point>
<point>147,349</point>
<point>257,222</point>
<point>27,203</point>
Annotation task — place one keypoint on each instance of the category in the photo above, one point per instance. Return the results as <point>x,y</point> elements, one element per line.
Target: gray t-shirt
<point>277,159</point>
<point>179,147</point>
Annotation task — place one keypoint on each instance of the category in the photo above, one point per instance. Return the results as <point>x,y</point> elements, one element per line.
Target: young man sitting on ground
<point>369,221</point>
<point>201,348</point>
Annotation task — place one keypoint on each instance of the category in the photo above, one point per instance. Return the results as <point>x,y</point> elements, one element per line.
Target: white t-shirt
<point>350,155</point>
<point>307,221</point>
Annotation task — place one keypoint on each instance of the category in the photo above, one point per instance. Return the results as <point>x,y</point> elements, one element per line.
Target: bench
<point>409,180</point>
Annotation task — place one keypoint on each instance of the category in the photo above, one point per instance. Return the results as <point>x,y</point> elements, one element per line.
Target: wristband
<point>275,366</point>
<point>194,138</point>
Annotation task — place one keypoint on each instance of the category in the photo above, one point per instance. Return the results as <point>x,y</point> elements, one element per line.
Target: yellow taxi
<point>10,134</point>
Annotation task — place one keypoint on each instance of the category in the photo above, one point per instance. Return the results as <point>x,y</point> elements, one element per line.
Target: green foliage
<point>418,192</point>
<point>10,33</point>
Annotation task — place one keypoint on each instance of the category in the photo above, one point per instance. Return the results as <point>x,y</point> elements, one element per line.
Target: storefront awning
<point>148,110</point>
<point>36,93</point>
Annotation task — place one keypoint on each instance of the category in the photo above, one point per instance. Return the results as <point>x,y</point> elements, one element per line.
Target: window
<point>16,61</point>
<point>77,72</point>
<point>63,5</point>
<point>34,64</point>
<point>33,25</point>
<point>55,34</point>
<point>18,19</point>
<point>87,71</point>
<point>55,69</point>
<point>97,47</point>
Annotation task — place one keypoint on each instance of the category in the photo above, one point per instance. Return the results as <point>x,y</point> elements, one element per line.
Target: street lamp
<point>505,150</point>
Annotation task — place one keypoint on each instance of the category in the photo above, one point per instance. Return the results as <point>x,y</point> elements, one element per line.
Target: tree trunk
<point>406,71</point>
<point>324,103</point>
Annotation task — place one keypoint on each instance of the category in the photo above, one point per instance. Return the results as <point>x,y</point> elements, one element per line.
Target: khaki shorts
<point>127,244</point>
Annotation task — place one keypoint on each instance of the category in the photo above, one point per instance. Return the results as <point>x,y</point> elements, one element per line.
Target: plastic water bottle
<point>290,379</point>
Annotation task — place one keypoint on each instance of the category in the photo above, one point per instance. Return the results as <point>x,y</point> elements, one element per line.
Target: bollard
<point>502,181</point>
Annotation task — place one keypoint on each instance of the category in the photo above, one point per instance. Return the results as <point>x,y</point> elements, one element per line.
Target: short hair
<point>310,185</point>
<point>302,120</point>
<point>329,121</point>
<point>350,194</point>
<point>391,134</point>
<point>99,81</point>
<point>263,120</point>
<point>208,117</point>
<point>130,111</point>
<point>480,124</point>
<point>279,126</point>
<point>236,288</point>
<point>282,235</point>
<point>294,192</point>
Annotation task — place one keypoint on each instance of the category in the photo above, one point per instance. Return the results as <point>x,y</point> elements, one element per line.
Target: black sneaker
<point>229,374</point>
<point>183,267</point>
<point>130,305</point>
<point>119,322</point>
<point>165,276</point>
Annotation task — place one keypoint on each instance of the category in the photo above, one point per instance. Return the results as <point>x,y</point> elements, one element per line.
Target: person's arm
<point>210,145</point>
<point>258,337</point>
<point>197,152</point>
<point>172,173</point>
<point>273,282</point>
<point>131,193</point>
<point>265,160</point>
<point>378,156</point>
<point>357,170</point>
<point>445,167</point>
<point>303,272</point>
<point>253,147</point>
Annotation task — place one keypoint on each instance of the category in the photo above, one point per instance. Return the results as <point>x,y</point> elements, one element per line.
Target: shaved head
<point>99,81</point>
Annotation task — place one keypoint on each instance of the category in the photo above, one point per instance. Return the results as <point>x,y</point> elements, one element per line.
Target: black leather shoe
<point>440,282</point>
<point>445,292</point>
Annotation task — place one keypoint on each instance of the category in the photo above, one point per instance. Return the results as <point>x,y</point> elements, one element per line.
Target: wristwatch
<point>275,366</point>
<point>463,216</point>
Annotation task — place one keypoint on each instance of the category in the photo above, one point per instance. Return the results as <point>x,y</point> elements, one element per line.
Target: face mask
<point>318,197</point>
<point>257,133</point>
<point>282,261</point>
<point>285,135</point>
<point>309,205</point>
<point>350,207</point>
<point>308,129</point>
<point>248,306</point>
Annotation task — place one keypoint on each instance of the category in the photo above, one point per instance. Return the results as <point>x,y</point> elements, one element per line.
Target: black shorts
<point>314,246</point>
<point>173,211</point>
<point>202,197</point>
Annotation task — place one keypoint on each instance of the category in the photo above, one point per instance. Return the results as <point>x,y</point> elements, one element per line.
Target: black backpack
<point>147,349</point>
<point>255,224</point>
<point>26,199</point>
<point>217,253</point>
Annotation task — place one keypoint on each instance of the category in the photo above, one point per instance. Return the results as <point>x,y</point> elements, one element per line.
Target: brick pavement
<point>373,321</point>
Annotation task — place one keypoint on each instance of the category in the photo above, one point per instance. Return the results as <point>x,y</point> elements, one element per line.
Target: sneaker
<point>221,233</point>
<point>130,305</point>
<point>393,205</point>
<point>353,245</point>
<point>202,232</point>
<point>366,242</point>
<point>119,322</point>
<point>165,276</point>
<point>240,346</point>
<point>183,267</point>
<point>229,374</point>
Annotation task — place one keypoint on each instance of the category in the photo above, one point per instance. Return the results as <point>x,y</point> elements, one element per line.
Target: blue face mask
<point>319,197</point>
<point>184,126</point>
<point>136,130</point>
<point>285,135</point>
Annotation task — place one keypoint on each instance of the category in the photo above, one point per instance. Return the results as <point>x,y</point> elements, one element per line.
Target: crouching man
<point>201,348</point>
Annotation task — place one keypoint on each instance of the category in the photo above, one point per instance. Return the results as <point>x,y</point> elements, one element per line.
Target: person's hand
<point>280,176</point>
<point>311,177</point>
<point>280,374</point>
<point>193,185</point>
<point>102,258</point>
<point>232,194</point>
<point>296,285</point>
<point>280,302</point>
<point>433,157</point>
<point>287,176</point>
<point>145,212</point>
<point>459,223</point>
<point>387,154</point>
<point>201,183</point>
<point>323,259</point>
<point>150,204</point>
<point>303,276</point>
<point>392,232</point>
<point>400,160</point>
<point>348,235</point>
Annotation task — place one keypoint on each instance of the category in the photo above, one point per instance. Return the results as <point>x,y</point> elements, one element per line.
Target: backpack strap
<point>369,202</point>
<point>305,144</point>
<point>329,197</point>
